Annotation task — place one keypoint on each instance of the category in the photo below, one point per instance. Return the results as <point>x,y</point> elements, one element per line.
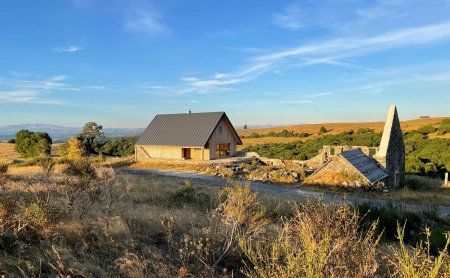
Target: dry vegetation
<point>85,221</point>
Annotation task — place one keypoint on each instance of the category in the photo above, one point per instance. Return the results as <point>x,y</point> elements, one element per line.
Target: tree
<point>75,149</point>
<point>33,144</point>
<point>91,130</point>
<point>322,130</point>
<point>12,141</point>
<point>245,126</point>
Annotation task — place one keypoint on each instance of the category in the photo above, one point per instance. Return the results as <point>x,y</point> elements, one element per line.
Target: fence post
<point>446,179</point>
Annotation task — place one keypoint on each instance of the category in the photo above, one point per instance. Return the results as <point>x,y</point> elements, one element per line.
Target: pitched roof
<point>365,165</point>
<point>187,129</point>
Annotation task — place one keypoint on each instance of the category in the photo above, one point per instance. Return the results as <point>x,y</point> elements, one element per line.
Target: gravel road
<point>278,190</point>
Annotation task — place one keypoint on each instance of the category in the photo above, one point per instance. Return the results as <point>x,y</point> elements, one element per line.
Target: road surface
<point>280,190</point>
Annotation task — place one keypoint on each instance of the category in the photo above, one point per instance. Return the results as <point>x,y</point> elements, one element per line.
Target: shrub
<point>12,141</point>
<point>3,169</point>
<point>32,144</point>
<point>47,165</point>
<point>320,240</point>
<point>426,129</point>
<point>418,261</point>
<point>37,218</point>
<point>415,182</point>
<point>76,149</point>
<point>101,158</point>
<point>254,135</point>
<point>322,130</point>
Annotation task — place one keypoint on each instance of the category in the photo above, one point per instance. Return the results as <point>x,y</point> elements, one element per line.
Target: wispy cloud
<point>184,101</point>
<point>67,49</point>
<point>145,20</point>
<point>335,52</point>
<point>319,95</point>
<point>120,108</point>
<point>233,105</point>
<point>353,47</point>
<point>294,101</point>
<point>20,74</point>
<point>36,91</point>
<point>27,96</point>
<point>289,18</point>
<point>253,50</point>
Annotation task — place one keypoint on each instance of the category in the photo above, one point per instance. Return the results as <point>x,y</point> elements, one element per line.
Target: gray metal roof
<point>365,165</point>
<point>187,129</point>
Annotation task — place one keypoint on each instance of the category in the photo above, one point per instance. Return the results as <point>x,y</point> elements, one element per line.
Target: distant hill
<point>333,128</point>
<point>264,126</point>
<point>59,133</point>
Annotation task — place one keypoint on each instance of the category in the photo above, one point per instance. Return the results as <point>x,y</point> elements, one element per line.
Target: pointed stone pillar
<point>391,153</point>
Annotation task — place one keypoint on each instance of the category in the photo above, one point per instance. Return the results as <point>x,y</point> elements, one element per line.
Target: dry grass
<point>171,166</point>
<point>7,152</point>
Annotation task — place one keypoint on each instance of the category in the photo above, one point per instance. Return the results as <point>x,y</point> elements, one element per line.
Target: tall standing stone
<point>392,150</point>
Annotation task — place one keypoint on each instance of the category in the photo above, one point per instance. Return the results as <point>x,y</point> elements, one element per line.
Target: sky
<point>121,62</point>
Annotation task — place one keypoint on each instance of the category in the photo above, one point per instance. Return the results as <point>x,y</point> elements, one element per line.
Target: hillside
<point>333,128</point>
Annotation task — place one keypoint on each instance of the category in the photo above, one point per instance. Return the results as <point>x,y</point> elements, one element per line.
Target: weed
<point>418,261</point>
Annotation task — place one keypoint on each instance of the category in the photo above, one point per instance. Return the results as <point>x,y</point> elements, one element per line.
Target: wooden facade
<point>222,143</point>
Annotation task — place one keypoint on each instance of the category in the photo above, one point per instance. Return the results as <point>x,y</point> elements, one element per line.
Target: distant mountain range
<point>263,126</point>
<point>60,133</point>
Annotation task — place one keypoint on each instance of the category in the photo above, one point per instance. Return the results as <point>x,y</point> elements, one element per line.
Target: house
<point>355,164</point>
<point>200,136</point>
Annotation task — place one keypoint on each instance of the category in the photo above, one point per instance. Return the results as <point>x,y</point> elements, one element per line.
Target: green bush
<point>426,129</point>
<point>415,182</point>
<point>12,141</point>
<point>123,146</point>
<point>32,144</point>
<point>388,216</point>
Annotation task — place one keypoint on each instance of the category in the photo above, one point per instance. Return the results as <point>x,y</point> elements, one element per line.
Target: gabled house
<point>200,136</point>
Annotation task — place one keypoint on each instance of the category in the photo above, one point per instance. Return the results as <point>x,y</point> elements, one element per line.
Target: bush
<point>418,261</point>
<point>47,165</point>
<point>3,169</point>
<point>320,240</point>
<point>12,141</point>
<point>415,182</point>
<point>322,130</point>
<point>426,129</point>
<point>32,144</point>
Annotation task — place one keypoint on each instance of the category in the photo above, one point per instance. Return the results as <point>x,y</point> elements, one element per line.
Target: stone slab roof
<point>186,130</point>
<point>372,171</point>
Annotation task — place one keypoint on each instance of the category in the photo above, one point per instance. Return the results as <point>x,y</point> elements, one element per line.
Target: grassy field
<point>123,225</point>
<point>7,151</point>
<point>334,128</point>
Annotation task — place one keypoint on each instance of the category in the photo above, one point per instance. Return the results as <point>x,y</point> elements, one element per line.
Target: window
<point>220,129</point>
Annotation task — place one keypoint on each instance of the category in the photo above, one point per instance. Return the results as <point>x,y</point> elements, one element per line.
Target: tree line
<point>90,140</point>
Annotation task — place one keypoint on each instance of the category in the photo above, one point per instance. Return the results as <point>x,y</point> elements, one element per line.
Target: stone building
<point>346,165</point>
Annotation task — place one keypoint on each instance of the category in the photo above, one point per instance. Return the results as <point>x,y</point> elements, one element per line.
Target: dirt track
<point>279,190</point>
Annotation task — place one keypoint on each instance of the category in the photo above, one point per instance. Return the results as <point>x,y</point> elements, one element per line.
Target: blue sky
<point>120,62</point>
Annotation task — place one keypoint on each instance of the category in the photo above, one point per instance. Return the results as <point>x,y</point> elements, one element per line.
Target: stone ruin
<point>384,164</point>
